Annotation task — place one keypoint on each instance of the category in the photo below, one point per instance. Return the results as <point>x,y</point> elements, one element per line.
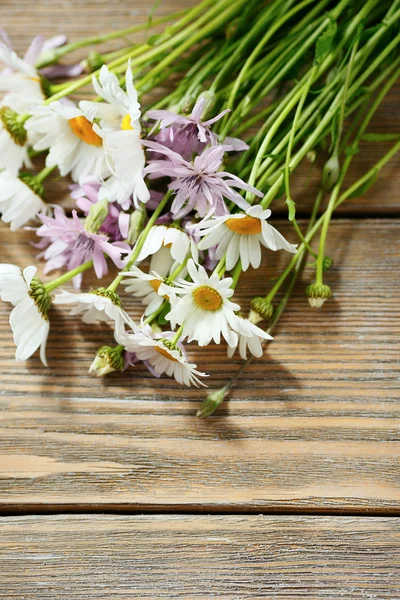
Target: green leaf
<point>380,137</point>
<point>363,188</point>
<point>291,208</point>
<point>325,42</point>
<point>161,320</point>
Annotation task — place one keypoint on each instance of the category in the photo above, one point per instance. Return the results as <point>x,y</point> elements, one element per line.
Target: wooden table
<point>113,489</point>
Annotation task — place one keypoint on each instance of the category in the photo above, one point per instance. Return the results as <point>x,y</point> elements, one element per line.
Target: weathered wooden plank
<point>180,556</point>
<point>314,425</point>
<point>81,18</point>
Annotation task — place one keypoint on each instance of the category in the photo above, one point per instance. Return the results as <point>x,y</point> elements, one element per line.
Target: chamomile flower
<point>95,306</point>
<point>20,78</point>
<point>145,286</point>
<point>20,199</point>
<point>250,337</point>
<point>119,126</point>
<point>204,310</point>
<point>31,301</point>
<point>241,236</point>
<point>161,356</point>
<point>74,146</point>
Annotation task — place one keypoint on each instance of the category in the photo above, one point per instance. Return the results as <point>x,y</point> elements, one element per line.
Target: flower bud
<point>318,294</point>
<point>97,214</point>
<point>94,61</point>
<point>136,222</point>
<point>211,403</point>
<point>327,263</point>
<point>330,173</point>
<point>261,309</point>
<point>107,360</point>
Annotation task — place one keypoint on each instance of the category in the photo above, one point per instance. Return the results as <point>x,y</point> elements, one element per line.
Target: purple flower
<point>71,245</point>
<point>199,184</point>
<point>189,134</point>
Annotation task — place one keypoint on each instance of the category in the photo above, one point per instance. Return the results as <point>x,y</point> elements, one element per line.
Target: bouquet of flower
<point>173,186</point>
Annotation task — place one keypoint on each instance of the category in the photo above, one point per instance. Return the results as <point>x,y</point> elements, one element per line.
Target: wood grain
<point>312,426</point>
<point>177,556</point>
<point>81,18</point>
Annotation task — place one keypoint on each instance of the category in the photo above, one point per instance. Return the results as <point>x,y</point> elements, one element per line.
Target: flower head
<point>119,127</point>
<point>160,355</point>
<point>70,240</point>
<point>31,301</point>
<point>203,307</point>
<point>95,306</point>
<point>188,134</point>
<point>250,337</point>
<point>145,286</point>
<point>241,235</point>
<point>74,147</point>
<point>199,184</point>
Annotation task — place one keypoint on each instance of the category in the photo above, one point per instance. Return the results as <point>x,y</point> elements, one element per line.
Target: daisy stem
<point>306,88</point>
<point>154,314</point>
<point>51,285</point>
<point>177,336</point>
<point>139,244</point>
<point>179,268</point>
<point>44,173</point>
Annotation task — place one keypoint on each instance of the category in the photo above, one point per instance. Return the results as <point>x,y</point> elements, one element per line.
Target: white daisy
<point>204,311</point>
<point>28,319</point>
<point>250,337</point>
<point>144,286</point>
<point>160,356</point>
<point>119,127</point>
<point>19,200</point>
<point>74,147</point>
<point>21,78</point>
<point>241,236</point>
<point>95,306</point>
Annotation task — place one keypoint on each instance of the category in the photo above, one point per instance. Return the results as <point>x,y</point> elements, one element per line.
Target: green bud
<point>97,214</point>
<point>33,183</point>
<point>95,61</point>
<point>261,309</point>
<point>327,263</point>
<point>40,296</point>
<point>136,223</point>
<point>211,403</point>
<point>107,360</point>
<point>318,294</point>
<point>13,122</point>
<point>210,99</point>
<point>330,173</point>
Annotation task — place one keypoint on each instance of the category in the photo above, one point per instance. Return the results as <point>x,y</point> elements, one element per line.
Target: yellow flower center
<point>126,123</point>
<point>155,284</point>
<point>245,225</point>
<point>83,129</point>
<point>207,298</point>
<point>165,353</point>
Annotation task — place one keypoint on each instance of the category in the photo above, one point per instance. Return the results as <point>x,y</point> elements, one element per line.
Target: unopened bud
<point>97,215</point>
<point>261,309</point>
<point>107,360</point>
<point>330,173</point>
<point>136,222</point>
<point>318,294</point>
<point>94,61</point>
<point>211,403</point>
<point>327,263</point>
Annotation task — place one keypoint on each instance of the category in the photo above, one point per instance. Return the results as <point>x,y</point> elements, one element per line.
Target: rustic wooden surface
<point>230,557</point>
<point>313,427</point>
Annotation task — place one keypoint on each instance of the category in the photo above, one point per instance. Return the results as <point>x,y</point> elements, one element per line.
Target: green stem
<point>44,173</point>
<point>177,336</point>
<point>51,285</point>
